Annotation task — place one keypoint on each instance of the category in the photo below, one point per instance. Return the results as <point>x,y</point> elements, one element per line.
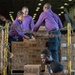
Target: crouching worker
<point>53,66</point>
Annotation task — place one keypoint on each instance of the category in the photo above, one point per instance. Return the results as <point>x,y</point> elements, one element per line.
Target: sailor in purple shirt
<point>52,23</point>
<point>16,32</point>
<point>28,22</point>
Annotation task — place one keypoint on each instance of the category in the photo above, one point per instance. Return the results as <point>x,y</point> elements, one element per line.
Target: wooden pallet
<point>22,72</point>
<point>0,73</point>
<point>17,71</point>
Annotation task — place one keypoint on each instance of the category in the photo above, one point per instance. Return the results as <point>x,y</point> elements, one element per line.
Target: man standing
<point>52,24</point>
<point>28,22</point>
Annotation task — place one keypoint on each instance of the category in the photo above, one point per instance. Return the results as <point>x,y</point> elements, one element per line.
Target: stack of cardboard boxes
<point>0,57</point>
<point>36,70</point>
<point>0,50</point>
<point>73,52</point>
<point>64,52</point>
<point>28,52</point>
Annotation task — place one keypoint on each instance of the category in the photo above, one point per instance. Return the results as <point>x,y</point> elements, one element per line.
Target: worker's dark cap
<point>46,52</point>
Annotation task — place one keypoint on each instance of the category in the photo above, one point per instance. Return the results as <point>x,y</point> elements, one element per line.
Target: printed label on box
<point>64,58</point>
<point>74,45</point>
<point>63,45</point>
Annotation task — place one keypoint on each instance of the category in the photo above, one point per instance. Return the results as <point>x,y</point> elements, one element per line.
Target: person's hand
<point>26,37</point>
<point>31,32</point>
<point>33,38</point>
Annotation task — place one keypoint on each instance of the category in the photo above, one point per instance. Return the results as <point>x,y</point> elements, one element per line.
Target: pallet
<point>17,71</point>
<point>0,73</point>
<point>22,72</point>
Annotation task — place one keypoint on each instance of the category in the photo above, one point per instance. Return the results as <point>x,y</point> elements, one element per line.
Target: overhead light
<point>39,4</point>
<point>70,0</point>
<point>62,12</point>
<point>33,18</point>
<point>11,17</point>
<point>62,7</point>
<point>34,14</point>
<point>65,3</point>
<point>41,0</point>
<point>59,14</point>
<point>38,8</point>
<point>11,12</point>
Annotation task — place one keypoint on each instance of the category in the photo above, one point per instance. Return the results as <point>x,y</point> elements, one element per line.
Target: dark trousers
<point>10,40</point>
<point>53,44</point>
<point>29,35</point>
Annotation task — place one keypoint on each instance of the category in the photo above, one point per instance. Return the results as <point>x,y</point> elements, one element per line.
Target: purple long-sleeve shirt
<point>51,20</point>
<point>28,23</point>
<point>16,29</point>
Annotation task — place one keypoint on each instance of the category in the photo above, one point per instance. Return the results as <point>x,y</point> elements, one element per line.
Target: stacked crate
<point>24,55</point>
<point>64,52</point>
<point>28,52</point>
<point>35,70</point>
<point>0,56</point>
<point>32,69</point>
<point>0,50</point>
<point>73,52</point>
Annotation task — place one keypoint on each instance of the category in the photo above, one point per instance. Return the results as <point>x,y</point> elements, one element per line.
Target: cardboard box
<point>0,35</point>
<point>42,66</point>
<point>0,56</point>
<point>64,54</point>
<point>26,53</point>
<point>46,70</point>
<point>73,39</point>
<point>30,74</point>
<point>33,69</point>
<point>45,74</point>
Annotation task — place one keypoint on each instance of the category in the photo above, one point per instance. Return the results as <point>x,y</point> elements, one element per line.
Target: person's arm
<point>19,32</point>
<point>12,31</point>
<point>60,23</point>
<point>40,20</point>
<point>31,23</point>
